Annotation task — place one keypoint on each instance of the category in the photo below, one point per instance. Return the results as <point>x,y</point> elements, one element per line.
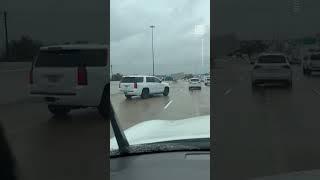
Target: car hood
<point>303,175</point>
<point>153,131</point>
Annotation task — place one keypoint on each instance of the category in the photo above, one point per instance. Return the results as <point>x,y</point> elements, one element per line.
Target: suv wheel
<point>104,102</point>
<point>145,93</point>
<point>166,91</point>
<point>59,110</point>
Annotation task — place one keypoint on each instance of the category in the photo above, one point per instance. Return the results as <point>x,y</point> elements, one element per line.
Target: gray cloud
<point>58,21</point>
<point>176,47</point>
<point>252,19</point>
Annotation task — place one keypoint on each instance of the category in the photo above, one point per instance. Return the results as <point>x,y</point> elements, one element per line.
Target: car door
<point>159,88</point>
<point>151,84</point>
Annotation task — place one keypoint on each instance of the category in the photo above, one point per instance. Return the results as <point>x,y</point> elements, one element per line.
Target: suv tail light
<point>135,85</point>
<point>119,85</point>
<point>31,76</point>
<point>82,76</point>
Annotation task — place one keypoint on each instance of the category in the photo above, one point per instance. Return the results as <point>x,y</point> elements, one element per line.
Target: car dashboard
<point>166,165</point>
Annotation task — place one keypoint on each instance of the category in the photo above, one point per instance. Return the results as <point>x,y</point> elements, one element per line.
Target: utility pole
<point>6,33</point>
<point>152,27</point>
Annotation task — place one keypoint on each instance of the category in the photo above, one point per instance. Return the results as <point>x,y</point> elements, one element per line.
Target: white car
<point>194,83</point>
<point>143,86</point>
<point>71,76</point>
<point>271,67</point>
<point>207,81</point>
<point>311,62</point>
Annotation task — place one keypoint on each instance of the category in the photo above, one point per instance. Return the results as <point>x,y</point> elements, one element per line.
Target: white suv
<point>194,83</point>
<point>71,76</point>
<point>207,81</point>
<point>311,62</point>
<point>143,86</point>
<point>271,67</point>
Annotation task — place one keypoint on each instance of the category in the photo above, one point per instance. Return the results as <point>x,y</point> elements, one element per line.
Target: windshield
<point>71,58</point>
<point>272,59</point>
<point>168,46</point>
<point>131,79</point>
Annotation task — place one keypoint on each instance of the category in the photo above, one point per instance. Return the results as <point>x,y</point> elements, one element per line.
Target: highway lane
<point>179,104</point>
<point>265,132</point>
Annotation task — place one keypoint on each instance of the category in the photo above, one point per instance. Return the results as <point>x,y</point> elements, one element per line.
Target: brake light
<point>82,76</point>
<point>31,76</point>
<point>135,85</point>
<point>119,85</point>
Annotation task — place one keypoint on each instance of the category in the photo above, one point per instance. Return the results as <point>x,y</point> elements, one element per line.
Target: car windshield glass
<point>168,46</point>
<point>71,58</point>
<point>272,59</point>
<point>315,57</point>
<point>131,79</point>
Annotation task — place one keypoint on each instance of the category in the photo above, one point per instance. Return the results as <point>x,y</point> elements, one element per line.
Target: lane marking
<point>315,91</point>
<point>228,91</point>
<point>165,107</point>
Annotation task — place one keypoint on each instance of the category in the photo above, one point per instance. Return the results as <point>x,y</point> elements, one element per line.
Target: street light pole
<point>152,27</point>
<point>6,33</point>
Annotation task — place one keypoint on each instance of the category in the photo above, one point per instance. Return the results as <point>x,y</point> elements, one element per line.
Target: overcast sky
<point>262,19</point>
<point>177,48</point>
<point>56,21</point>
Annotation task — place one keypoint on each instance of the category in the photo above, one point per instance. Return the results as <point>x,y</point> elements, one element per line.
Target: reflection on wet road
<point>180,104</point>
<point>267,130</point>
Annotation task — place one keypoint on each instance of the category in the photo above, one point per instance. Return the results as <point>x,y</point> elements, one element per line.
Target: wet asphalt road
<point>179,104</point>
<point>47,147</point>
<point>265,132</point>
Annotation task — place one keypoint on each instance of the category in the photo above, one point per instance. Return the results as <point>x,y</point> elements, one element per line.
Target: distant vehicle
<point>207,81</point>
<point>311,62</point>
<point>194,83</point>
<point>143,86</point>
<point>271,67</point>
<point>71,76</point>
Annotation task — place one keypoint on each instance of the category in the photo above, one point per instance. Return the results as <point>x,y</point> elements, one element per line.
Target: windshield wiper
<point>118,133</point>
<point>168,146</point>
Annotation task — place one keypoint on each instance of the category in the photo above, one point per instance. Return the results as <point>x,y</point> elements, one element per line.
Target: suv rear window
<point>194,80</point>
<point>315,57</point>
<point>131,80</point>
<point>71,58</point>
<point>272,59</point>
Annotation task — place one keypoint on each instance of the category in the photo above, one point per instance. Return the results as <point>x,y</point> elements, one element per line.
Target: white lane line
<point>13,70</point>
<point>317,92</point>
<point>165,107</point>
<point>228,91</point>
